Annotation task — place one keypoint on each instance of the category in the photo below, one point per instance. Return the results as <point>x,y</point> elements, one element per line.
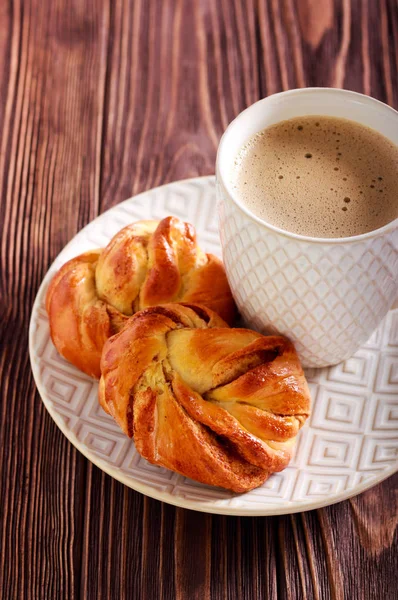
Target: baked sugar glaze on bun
<point>221,406</point>
<point>147,263</point>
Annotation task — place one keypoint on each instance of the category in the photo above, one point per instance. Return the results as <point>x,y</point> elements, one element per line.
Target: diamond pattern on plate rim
<point>350,441</point>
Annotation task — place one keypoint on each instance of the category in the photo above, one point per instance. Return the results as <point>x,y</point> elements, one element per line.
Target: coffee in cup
<point>319,176</point>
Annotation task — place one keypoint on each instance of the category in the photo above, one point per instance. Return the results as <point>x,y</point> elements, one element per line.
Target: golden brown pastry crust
<point>145,264</point>
<point>222,406</point>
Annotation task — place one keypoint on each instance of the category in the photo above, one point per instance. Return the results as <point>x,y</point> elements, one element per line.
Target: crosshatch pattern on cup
<point>299,279</point>
<point>350,441</point>
<point>328,295</point>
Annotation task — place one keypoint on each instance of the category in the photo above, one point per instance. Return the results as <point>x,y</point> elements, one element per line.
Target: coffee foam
<point>319,176</point>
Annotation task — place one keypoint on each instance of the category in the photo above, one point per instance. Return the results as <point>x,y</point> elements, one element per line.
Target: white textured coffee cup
<point>326,295</point>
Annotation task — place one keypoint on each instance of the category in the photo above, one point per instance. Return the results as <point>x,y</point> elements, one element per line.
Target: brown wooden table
<point>99,100</point>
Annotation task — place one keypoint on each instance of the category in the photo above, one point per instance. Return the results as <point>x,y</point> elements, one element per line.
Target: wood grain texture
<point>100,100</point>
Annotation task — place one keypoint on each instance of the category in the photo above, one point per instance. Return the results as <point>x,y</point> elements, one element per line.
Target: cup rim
<point>304,238</point>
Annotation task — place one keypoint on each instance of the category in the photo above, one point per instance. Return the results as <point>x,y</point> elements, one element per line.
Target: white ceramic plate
<point>349,444</point>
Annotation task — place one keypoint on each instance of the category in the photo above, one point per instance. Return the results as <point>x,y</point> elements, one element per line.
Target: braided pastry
<point>146,263</point>
<point>222,406</point>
